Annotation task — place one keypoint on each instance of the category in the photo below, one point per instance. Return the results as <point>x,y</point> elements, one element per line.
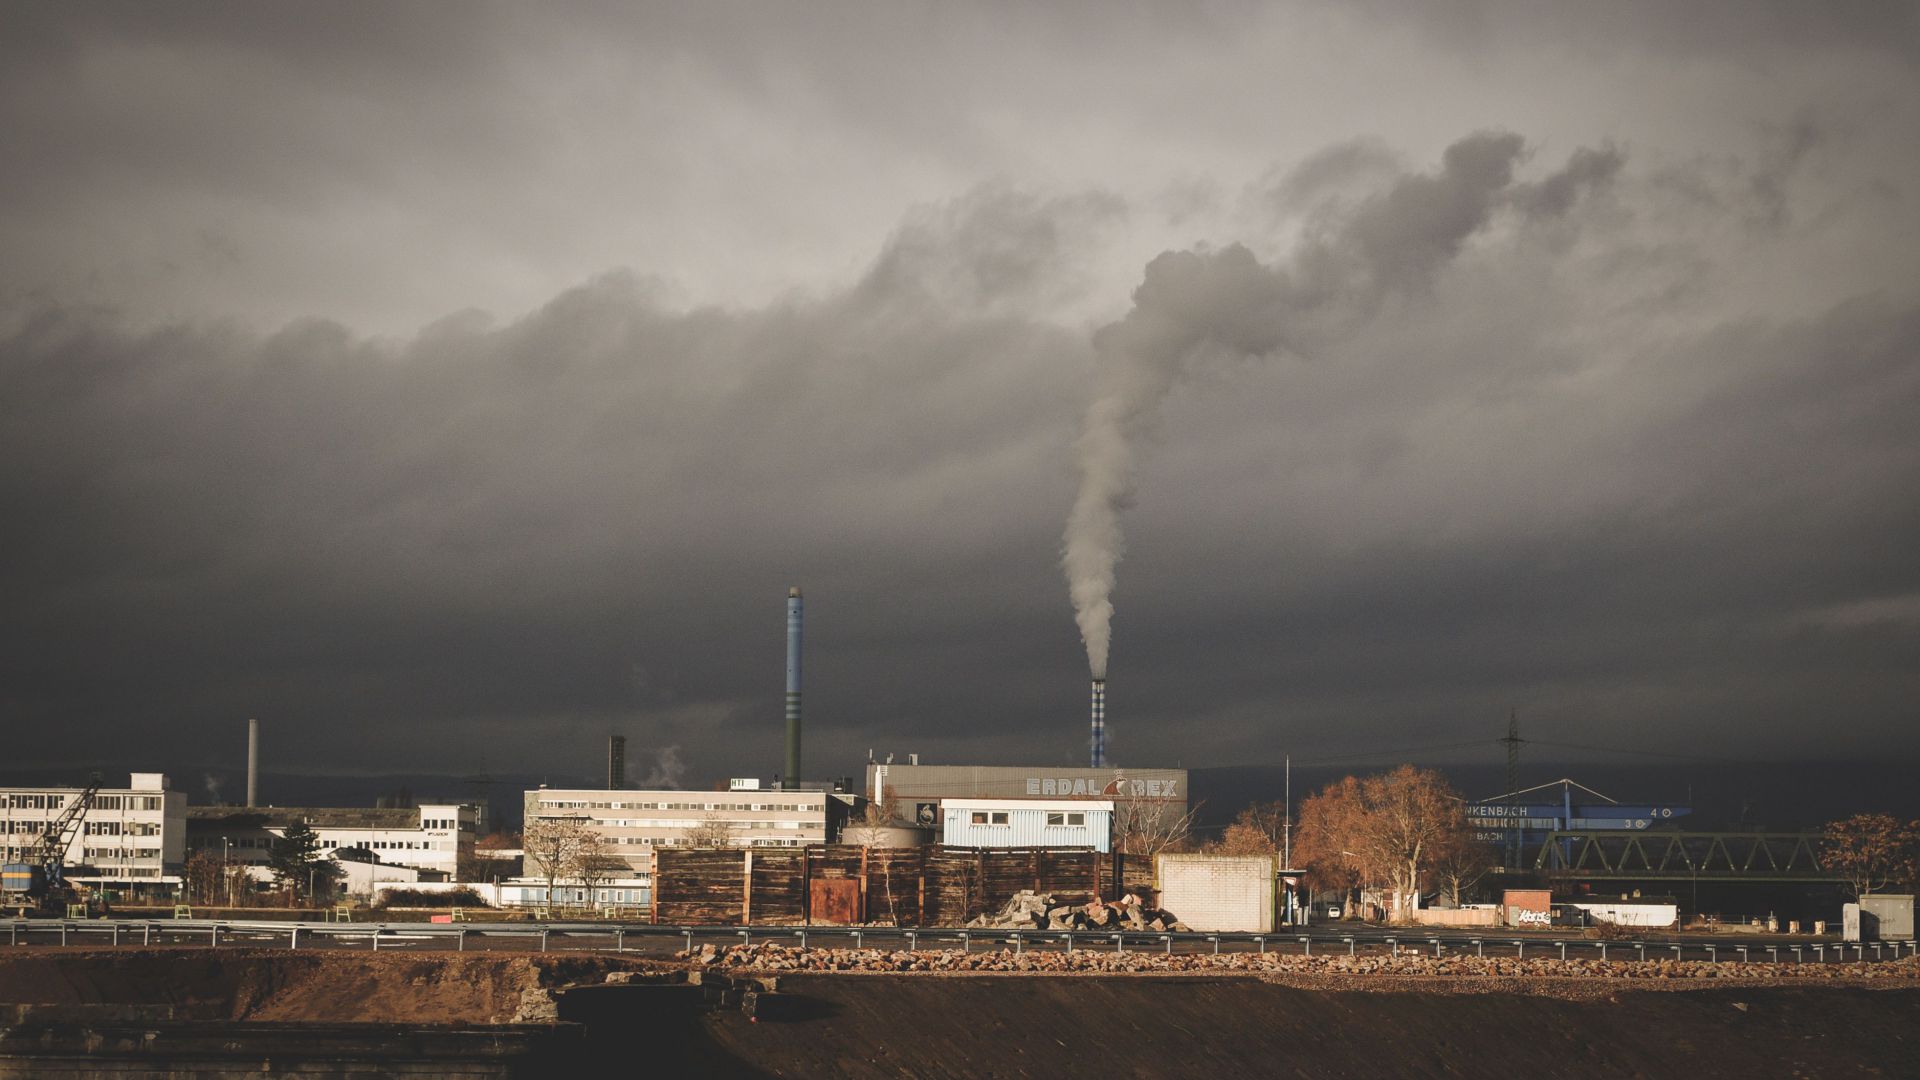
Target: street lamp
<point>226,870</point>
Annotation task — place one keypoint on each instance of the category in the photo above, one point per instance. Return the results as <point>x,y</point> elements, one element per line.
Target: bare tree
<point>1320,843</point>
<point>203,878</point>
<point>1460,862</point>
<point>552,846</point>
<point>1383,830</point>
<point>881,812</point>
<point>712,831</point>
<point>595,864</point>
<point>1144,826</point>
<point>1259,830</point>
<point>1872,851</point>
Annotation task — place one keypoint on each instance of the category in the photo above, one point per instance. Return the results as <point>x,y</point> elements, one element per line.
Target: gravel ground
<point>1406,971</point>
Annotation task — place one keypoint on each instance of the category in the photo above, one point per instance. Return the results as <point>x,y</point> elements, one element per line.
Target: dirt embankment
<point>334,987</point>
<point>1288,1021</point>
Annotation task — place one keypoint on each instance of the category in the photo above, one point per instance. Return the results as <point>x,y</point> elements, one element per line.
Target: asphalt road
<point>663,941</point>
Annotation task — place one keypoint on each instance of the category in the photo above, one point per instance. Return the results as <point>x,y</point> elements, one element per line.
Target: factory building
<point>130,839</point>
<point>429,839</point>
<point>1028,823</point>
<point>916,791</point>
<point>633,824</point>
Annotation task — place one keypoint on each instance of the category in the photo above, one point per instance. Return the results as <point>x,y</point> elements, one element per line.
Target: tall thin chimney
<point>616,762</point>
<point>791,778</point>
<point>1097,737</point>
<point>253,762</point>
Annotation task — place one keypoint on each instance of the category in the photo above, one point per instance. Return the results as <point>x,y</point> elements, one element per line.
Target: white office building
<point>633,824</point>
<point>130,839</point>
<point>429,839</point>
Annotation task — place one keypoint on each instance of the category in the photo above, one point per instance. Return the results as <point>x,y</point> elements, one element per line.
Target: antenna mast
<point>1513,788</point>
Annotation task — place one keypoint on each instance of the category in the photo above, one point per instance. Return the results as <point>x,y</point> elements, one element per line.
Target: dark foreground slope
<point>202,1013</point>
<point>878,1026</point>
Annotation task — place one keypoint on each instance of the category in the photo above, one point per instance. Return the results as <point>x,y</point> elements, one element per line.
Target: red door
<point>835,901</point>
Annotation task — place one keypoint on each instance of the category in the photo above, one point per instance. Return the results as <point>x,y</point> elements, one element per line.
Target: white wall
<point>1218,892</point>
<point>1630,914</point>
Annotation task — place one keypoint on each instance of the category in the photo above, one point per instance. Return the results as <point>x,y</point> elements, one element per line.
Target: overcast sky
<point>452,385</point>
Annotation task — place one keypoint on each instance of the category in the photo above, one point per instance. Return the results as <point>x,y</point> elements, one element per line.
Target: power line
<point>1398,751</point>
<point>1643,753</point>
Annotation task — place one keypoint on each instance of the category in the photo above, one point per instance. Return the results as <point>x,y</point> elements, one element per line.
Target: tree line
<point>1405,832</point>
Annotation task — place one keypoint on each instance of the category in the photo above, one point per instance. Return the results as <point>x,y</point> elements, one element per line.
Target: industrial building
<point>1028,823</point>
<point>130,839</point>
<point>634,823</point>
<point>428,839</point>
<point>1518,822</point>
<point>915,791</point>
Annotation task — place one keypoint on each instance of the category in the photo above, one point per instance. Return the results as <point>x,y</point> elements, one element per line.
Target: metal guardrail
<point>215,932</point>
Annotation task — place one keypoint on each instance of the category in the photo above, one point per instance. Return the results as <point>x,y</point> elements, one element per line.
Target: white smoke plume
<point>667,772</point>
<point>1192,306</point>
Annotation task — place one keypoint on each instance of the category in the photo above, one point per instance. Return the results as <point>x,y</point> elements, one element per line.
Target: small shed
<point>1527,907</point>
<point>1028,823</point>
<point>1886,917</point>
<point>1219,892</point>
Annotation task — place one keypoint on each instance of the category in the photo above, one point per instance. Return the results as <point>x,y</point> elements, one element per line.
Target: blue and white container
<point>1028,823</point>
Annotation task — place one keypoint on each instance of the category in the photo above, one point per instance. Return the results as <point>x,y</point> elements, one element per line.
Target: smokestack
<point>1098,732</point>
<point>792,775</point>
<point>253,762</point>
<point>616,762</point>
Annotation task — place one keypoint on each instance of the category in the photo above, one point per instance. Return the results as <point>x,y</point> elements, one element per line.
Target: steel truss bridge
<point>1685,856</point>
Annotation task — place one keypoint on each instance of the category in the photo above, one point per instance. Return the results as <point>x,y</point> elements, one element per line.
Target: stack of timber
<point>916,886</point>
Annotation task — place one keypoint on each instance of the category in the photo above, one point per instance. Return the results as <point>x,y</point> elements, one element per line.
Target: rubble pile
<point>775,957</point>
<point>1029,910</point>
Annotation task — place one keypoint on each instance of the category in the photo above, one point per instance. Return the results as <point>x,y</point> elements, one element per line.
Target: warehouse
<point>915,791</point>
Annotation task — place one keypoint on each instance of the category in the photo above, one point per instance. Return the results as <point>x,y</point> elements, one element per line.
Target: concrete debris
<point>775,957</point>
<point>537,1006</point>
<point>1029,910</point>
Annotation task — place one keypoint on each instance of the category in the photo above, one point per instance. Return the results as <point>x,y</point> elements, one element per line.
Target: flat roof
<point>609,794</point>
<point>320,817</point>
<point>1029,804</point>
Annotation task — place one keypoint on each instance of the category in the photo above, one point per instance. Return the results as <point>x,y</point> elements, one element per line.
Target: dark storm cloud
<point>490,530</point>
<point>1708,28</point>
<point>1558,359</point>
<point>504,520</point>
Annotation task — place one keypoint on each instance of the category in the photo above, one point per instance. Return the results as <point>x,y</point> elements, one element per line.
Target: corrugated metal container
<point>19,877</point>
<point>1232,893</point>
<point>1027,823</point>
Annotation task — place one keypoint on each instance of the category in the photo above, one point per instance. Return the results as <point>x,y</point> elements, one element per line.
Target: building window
<point>1076,819</point>
<point>979,817</point>
<point>1061,817</point>
<point>999,817</point>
